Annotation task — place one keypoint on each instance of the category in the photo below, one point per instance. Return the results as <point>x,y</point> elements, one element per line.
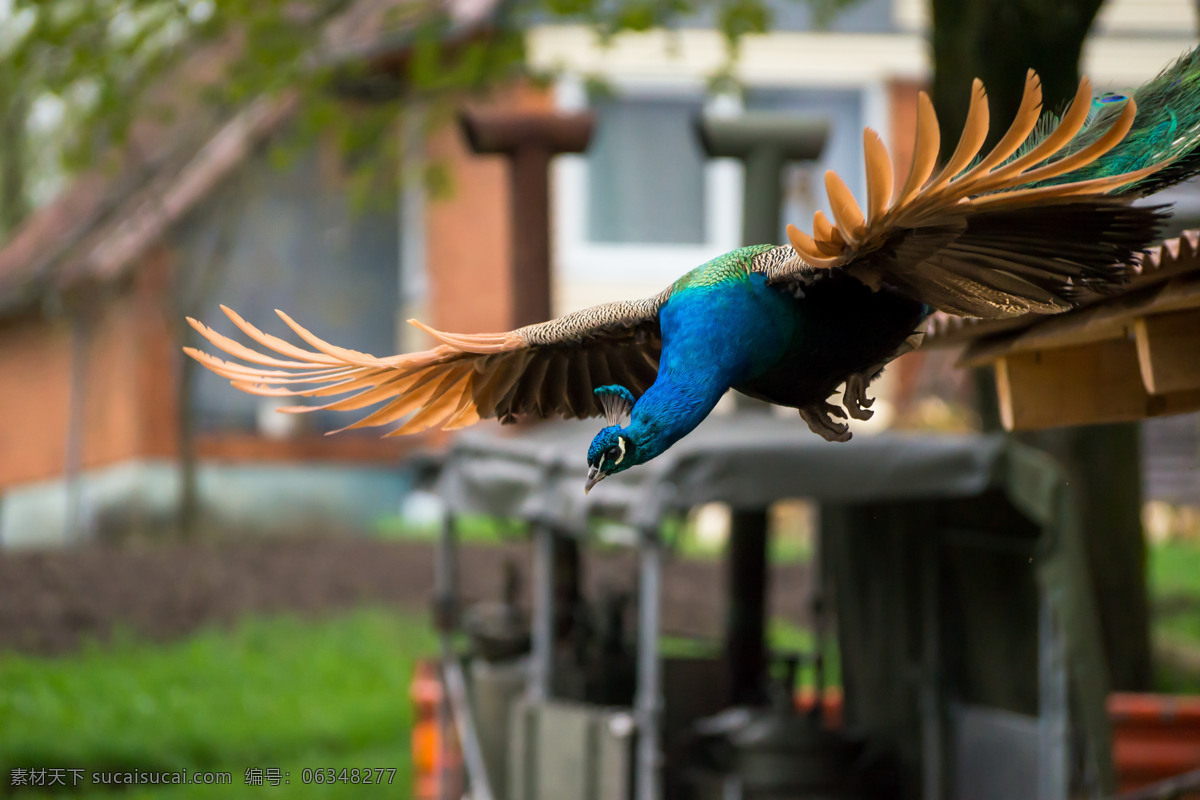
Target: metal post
<point>445,577</point>
<point>816,603</point>
<point>933,764</point>
<point>445,617</point>
<point>647,702</point>
<point>1053,704</point>
<point>763,195</point>
<point>541,681</point>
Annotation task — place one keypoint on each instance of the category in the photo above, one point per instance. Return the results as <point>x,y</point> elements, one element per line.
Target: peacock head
<point>612,450</point>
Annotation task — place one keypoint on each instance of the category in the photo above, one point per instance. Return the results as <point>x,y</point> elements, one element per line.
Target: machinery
<point>971,663</point>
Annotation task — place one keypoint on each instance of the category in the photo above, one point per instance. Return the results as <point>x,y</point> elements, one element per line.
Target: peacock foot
<point>819,417</point>
<point>855,399</point>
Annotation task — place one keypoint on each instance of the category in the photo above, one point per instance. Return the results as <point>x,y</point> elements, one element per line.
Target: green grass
<point>1174,579</point>
<point>1174,576</point>
<point>1175,568</point>
<point>471,529</point>
<point>269,693</point>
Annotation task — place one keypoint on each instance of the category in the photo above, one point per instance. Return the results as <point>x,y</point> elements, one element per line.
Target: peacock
<point>1040,222</point>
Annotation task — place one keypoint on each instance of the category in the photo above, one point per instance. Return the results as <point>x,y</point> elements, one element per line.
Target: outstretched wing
<point>991,236</point>
<point>543,370</point>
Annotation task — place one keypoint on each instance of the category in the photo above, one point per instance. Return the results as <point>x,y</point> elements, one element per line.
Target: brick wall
<point>34,389</point>
<point>128,379</point>
<point>468,241</point>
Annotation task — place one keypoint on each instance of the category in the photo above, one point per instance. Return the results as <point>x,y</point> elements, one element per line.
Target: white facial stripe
<point>621,444</point>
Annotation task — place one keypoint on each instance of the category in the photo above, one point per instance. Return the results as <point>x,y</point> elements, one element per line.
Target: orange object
<point>831,700</point>
<point>1155,737</point>
<point>433,762</point>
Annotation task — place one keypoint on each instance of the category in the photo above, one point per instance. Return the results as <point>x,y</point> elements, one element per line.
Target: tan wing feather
<point>1022,125</point>
<point>1088,187</point>
<point>973,135</point>
<point>1071,123</point>
<point>274,342</point>
<point>823,229</point>
<point>844,207</point>
<point>976,239</point>
<point>808,248</point>
<point>440,405</point>
<point>464,378</point>
<point>879,176</point>
<point>1111,138</point>
<point>925,150</point>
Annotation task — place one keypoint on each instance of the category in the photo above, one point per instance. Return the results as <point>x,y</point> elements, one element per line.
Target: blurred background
<point>189,580</point>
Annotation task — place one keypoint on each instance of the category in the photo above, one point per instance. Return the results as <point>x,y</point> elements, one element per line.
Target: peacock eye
<point>613,452</point>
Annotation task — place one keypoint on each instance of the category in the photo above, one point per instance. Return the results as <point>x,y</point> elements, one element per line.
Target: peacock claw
<point>819,417</point>
<point>855,396</point>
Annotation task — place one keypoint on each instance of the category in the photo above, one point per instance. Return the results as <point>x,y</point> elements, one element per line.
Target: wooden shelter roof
<point>1128,356</point>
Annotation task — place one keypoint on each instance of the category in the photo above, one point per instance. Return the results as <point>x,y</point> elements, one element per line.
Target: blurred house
<point>98,401</point>
<point>94,287</point>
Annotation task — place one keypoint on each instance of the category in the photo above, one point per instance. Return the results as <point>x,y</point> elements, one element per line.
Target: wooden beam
<point>1168,348</point>
<point>1080,385</point>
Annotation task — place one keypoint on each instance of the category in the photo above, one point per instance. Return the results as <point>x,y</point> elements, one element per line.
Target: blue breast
<point>728,332</point>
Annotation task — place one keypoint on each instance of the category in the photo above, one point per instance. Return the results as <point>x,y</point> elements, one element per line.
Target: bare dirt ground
<point>53,601</point>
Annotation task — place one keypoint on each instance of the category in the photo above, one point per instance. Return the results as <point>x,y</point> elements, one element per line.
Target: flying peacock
<point>1040,222</point>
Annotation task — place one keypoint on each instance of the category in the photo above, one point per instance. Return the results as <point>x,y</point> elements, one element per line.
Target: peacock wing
<point>991,235</point>
<point>543,370</point>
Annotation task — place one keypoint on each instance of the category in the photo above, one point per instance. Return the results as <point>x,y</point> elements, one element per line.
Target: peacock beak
<point>594,476</point>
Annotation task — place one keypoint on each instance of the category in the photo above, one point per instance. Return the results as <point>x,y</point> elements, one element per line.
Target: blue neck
<point>669,410</point>
<point>714,337</point>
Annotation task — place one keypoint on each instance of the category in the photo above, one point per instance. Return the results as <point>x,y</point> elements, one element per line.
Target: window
<point>646,181</point>
<point>644,205</point>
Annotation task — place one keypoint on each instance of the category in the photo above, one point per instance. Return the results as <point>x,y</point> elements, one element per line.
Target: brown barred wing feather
<point>543,370</point>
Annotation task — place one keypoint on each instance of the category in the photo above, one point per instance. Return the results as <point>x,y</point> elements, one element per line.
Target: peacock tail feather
<point>1166,131</point>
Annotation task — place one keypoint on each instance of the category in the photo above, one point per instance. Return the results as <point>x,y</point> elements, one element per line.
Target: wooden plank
<point>1080,385</point>
<point>1168,347</point>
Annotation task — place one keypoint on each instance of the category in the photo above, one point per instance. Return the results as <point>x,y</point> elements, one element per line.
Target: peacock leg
<point>855,399</point>
<point>819,417</point>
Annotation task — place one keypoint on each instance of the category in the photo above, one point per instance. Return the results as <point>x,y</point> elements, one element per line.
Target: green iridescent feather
<point>1167,126</point>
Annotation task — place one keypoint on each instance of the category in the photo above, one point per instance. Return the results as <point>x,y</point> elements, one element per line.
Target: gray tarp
<point>748,461</point>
